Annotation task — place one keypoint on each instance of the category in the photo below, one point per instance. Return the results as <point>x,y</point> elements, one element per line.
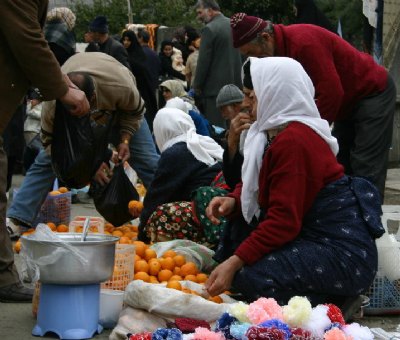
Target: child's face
<point>167,50</point>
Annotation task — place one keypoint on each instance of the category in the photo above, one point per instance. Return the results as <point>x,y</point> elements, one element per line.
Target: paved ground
<point>16,320</point>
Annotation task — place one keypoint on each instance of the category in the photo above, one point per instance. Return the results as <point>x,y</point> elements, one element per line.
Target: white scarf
<point>285,94</point>
<point>172,126</point>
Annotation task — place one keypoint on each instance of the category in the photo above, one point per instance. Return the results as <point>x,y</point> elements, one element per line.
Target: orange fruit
<point>164,275</point>
<point>140,248</point>
<point>124,229</point>
<point>186,290</point>
<point>134,228</point>
<point>168,263</point>
<point>63,190</point>
<point>62,228</point>
<point>189,268</point>
<point>117,233</point>
<point>154,267</point>
<point>179,260</point>
<point>52,226</point>
<point>130,234</point>
<point>153,279</point>
<point>107,233</point>
<point>169,253</point>
<point>137,258</point>
<point>28,232</point>
<point>177,271</point>
<point>149,254</point>
<point>135,205</point>
<point>124,240</point>
<point>193,292</point>
<point>78,229</point>
<point>141,266</point>
<point>216,299</point>
<point>17,246</point>
<point>174,285</point>
<point>54,193</point>
<point>142,276</point>
<point>93,229</point>
<point>175,278</point>
<point>191,278</point>
<point>109,227</point>
<point>201,277</point>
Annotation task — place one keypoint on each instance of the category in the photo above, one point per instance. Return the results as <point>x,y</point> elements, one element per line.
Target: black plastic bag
<point>78,147</point>
<point>112,200</point>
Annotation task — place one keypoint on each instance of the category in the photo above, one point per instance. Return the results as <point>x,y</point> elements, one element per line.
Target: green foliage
<point>167,13</point>
<point>181,12</point>
<point>276,11</point>
<point>350,14</point>
<point>116,12</point>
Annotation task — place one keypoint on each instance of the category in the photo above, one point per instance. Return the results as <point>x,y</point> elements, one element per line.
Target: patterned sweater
<point>178,174</point>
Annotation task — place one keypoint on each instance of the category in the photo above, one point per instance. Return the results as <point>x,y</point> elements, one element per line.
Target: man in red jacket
<point>351,90</point>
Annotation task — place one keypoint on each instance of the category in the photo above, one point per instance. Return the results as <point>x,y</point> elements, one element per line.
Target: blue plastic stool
<point>70,311</point>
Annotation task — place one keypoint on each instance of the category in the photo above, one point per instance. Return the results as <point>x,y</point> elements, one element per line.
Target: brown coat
<point>25,57</point>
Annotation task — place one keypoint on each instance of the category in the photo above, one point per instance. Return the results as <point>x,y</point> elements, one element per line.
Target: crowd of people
<point>229,129</point>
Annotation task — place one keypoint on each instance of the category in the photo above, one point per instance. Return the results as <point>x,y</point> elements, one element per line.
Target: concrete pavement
<point>17,322</point>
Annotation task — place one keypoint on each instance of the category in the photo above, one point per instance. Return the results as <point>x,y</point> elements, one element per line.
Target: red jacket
<point>341,74</point>
<point>297,165</point>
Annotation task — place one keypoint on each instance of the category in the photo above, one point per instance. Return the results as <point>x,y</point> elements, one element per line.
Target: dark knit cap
<point>99,24</point>
<point>245,28</point>
<point>229,94</point>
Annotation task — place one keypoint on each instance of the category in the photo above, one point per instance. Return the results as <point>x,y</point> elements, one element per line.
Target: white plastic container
<point>111,302</point>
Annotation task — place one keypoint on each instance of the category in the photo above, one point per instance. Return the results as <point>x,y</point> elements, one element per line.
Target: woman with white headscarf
<point>188,161</point>
<point>310,229</point>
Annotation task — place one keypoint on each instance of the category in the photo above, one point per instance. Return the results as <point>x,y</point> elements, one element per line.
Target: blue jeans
<point>144,157</point>
<point>40,177</point>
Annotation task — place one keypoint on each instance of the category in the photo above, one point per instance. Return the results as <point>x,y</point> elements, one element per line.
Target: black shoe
<point>351,306</point>
<point>16,293</point>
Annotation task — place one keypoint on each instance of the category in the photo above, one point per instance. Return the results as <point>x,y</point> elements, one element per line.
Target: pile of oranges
<point>60,190</point>
<point>170,269</point>
<point>61,228</point>
<point>127,233</point>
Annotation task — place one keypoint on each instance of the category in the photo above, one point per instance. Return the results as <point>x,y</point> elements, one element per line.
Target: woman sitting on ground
<point>310,229</point>
<point>188,161</point>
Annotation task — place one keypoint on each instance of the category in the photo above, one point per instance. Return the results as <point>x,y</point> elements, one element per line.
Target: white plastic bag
<point>194,252</point>
<point>389,256</point>
<point>132,320</point>
<point>171,304</point>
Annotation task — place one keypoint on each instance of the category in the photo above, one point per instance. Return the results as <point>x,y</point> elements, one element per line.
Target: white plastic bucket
<point>111,302</point>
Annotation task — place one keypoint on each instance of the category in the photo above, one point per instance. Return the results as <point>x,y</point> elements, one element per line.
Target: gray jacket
<point>219,62</point>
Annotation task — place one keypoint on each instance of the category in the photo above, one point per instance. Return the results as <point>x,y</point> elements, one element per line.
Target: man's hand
<point>123,152</point>
<point>75,99</point>
<point>238,124</point>
<point>220,206</point>
<point>103,174</point>
<point>221,277</point>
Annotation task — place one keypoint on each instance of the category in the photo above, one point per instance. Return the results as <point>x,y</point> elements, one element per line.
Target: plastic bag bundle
<point>78,146</point>
<point>112,200</point>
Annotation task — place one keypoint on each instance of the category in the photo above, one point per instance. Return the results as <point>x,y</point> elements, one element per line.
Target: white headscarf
<point>178,103</point>
<point>171,126</point>
<point>285,93</point>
